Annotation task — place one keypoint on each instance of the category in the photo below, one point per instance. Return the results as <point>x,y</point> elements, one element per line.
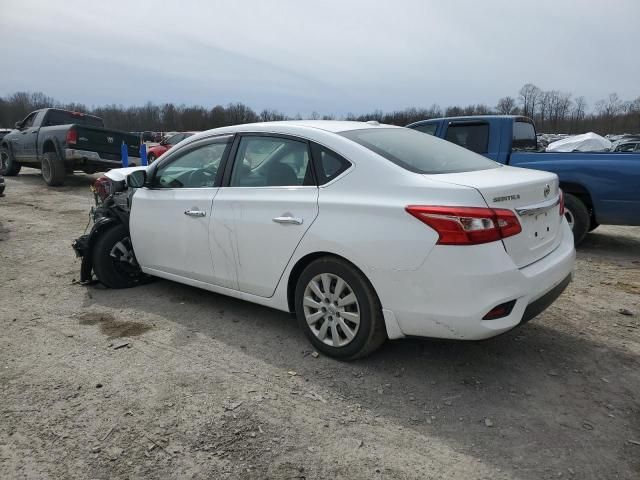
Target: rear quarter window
<point>417,152</point>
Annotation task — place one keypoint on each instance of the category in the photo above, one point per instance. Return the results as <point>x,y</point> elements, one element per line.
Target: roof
<point>334,126</point>
<point>472,118</point>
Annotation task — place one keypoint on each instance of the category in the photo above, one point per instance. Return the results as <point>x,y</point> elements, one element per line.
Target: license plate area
<point>542,226</point>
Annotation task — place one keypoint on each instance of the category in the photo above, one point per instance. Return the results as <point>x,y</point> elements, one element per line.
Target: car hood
<point>120,174</point>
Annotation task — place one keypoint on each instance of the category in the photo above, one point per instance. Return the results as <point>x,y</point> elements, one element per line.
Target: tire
<point>370,332</point>
<point>52,169</point>
<point>578,217</point>
<point>9,167</point>
<point>593,225</point>
<point>151,158</point>
<point>115,271</point>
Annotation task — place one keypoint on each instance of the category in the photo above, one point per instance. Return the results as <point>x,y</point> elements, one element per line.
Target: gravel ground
<point>211,387</point>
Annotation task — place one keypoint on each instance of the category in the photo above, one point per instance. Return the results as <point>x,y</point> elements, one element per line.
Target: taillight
<point>561,203</point>
<point>72,136</point>
<point>467,225</point>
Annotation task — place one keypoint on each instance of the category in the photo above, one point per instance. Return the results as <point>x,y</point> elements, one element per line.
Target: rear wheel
<point>338,310</point>
<point>8,164</point>
<point>577,217</point>
<point>52,169</point>
<point>114,262</point>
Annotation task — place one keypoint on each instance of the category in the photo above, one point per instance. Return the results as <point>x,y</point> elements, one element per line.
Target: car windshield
<point>418,152</point>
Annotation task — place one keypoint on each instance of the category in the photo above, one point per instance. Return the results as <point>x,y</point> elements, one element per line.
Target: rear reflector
<point>467,225</point>
<point>502,310</point>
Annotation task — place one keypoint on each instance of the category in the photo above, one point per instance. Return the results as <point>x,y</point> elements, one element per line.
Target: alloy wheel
<point>123,257</point>
<point>331,310</point>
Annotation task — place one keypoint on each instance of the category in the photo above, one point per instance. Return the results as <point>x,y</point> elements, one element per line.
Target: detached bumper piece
<point>81,247</point>
<point>538,306</point>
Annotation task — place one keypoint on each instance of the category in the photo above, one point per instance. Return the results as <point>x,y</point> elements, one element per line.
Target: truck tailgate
<point>106,142</point>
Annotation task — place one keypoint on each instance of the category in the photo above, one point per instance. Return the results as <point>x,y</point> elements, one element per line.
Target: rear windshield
<point>60,117</point>
<point>418,152</point>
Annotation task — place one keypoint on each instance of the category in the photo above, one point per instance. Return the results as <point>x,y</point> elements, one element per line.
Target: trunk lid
<point>532,194</point>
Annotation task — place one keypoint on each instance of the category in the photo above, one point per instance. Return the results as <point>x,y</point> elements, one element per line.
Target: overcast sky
<point>334,56</point>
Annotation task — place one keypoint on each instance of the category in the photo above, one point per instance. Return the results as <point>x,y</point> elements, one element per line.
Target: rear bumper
<point>448,296</point>
<point>89,158</point>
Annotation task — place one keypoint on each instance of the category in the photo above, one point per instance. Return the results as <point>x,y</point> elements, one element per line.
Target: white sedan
<point>364,231</point>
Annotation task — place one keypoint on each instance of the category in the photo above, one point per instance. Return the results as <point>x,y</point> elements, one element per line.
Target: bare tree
<point>506,105</point>
<point>529,95</point>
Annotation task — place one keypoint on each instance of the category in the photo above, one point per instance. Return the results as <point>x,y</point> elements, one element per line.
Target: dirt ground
<point>212,387</point>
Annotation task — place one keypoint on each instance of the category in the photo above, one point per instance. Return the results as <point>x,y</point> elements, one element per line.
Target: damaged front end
<point>112,208</point>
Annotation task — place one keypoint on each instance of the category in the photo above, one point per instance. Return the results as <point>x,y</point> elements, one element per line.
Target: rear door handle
<point>195,213</point>
<point>290,220</point>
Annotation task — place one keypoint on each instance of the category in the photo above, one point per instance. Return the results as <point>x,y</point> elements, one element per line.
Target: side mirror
<point>18,125</point>
<point>137,179</point>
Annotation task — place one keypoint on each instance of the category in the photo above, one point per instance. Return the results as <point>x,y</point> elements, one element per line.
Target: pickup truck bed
<point>600,187</point>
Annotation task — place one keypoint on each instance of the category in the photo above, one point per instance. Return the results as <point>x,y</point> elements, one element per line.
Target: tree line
<point>553,111</point>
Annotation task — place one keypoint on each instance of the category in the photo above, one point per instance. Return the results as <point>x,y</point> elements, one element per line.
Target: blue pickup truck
<point>599,187</point>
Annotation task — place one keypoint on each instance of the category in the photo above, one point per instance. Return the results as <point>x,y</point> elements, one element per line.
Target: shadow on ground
<point>553,400</point>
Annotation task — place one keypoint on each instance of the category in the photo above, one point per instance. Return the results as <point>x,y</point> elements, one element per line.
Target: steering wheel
<point>202,178</point>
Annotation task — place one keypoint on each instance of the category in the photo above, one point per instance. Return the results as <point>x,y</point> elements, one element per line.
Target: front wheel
<point>577,217</point>
<point>338,310</point>
<point>114,262</point>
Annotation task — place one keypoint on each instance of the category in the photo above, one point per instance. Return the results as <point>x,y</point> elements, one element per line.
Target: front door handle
<point>290,220</point>
<point>195,213</point>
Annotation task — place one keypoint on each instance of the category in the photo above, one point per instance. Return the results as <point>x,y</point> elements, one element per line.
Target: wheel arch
<point>582,193</point>
<point>51,145</point>
<point>305,261</point>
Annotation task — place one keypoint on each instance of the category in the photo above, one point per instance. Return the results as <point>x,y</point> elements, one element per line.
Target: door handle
<point>195,213</point>
<point>290,220</point>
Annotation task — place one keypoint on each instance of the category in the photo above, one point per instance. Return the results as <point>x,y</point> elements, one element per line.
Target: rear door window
<point>472,136</point>
<point>264,161</point>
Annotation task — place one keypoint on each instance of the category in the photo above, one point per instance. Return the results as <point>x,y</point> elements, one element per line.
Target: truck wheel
<point>114,262</point>
<point>577,216</point>
<point>338,310</point>
<point>52,169</point>
<point>8,164</point>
